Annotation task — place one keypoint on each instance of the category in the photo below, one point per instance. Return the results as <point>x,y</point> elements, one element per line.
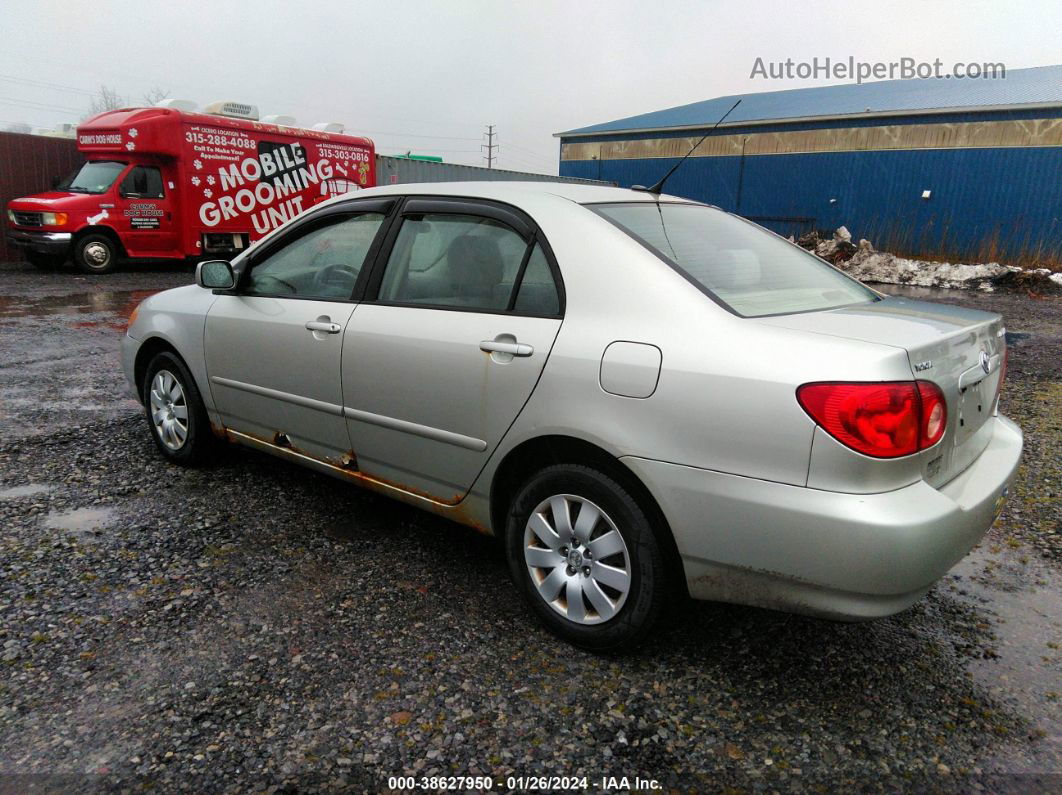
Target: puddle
<point>1022,598</point>
<point>118,303</point>
<point>82,522</point>
<point>29,490</point>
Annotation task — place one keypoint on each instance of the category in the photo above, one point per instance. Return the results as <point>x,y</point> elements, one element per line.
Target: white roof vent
<point>280,120</point>
<point>234,110</point>
<point>178,104</point>
<point>329,127</point>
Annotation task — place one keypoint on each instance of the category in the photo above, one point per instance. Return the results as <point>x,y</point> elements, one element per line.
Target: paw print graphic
<point>130,146</point>
<point>132,132</point>
<point>198,164</point>
<point>196,181</point>
<point>211,180</point>
<point>208,192</point>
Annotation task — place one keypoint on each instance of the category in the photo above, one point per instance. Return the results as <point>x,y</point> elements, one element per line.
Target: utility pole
<point>490,146</point>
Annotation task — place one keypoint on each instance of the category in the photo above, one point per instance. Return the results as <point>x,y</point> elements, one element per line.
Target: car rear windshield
<point>748,270</point>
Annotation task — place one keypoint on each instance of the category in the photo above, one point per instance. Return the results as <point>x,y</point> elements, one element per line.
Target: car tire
<point>168,391</point>
<point>613,611</point>
<point>96,254</point>
<point>44,262</point>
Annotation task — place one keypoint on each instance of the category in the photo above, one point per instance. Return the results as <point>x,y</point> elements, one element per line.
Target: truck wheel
<point>44,262</point>
<point>584,554</point>
<point>95,254</point>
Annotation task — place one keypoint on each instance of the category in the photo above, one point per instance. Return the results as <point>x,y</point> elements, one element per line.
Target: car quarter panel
<point>726,394</point>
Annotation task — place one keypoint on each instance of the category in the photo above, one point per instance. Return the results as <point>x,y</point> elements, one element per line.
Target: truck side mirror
<point>56,181</point>
<point>215,274</point>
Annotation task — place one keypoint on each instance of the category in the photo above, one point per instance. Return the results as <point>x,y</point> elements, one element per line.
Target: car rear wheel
<point>175,411</point>
<point>584,554</point>
<point>96,254</point>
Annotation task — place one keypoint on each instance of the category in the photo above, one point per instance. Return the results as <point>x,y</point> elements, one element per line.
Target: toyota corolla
<point>639,395</point>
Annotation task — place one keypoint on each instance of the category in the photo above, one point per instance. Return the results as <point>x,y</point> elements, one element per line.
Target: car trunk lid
<point>960,350</point>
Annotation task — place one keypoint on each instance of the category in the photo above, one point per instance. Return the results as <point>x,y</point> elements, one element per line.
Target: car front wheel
<point>584,554</point>
<point>175,411</point>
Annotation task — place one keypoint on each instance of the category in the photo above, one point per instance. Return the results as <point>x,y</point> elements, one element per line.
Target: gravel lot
<point>254,626</point>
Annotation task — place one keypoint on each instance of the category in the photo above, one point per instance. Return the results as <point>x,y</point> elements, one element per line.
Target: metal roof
<point>1024,88</point>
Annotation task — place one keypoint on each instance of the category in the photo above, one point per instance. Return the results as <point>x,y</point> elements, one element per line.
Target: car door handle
<point>323,325</point>
<point>513,348</point>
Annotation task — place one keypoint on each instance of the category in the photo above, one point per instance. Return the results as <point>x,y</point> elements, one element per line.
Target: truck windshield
<point>736,263</point>
<point>94,177</point>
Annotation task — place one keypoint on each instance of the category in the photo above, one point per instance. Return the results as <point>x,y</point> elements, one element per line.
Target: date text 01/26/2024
<point>522,783</point>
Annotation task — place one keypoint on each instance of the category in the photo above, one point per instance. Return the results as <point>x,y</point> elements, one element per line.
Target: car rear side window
<point>323,263</point>
<point>742,266</point>
<point>450,260</point>
<point>538,289</point>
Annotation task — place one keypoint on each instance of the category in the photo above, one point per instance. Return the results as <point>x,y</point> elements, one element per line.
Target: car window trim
<point>465,205</point>
<point>305,226</point>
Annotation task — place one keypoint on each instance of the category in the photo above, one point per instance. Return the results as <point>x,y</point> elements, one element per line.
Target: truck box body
<point>189,184</point>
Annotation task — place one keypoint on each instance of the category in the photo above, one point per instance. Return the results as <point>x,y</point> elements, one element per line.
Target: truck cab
<point>108,208</point>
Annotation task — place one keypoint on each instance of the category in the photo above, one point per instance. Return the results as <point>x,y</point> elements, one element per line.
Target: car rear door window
<point>323,262</point>
<point>450,260</point>
<point>469,262</point>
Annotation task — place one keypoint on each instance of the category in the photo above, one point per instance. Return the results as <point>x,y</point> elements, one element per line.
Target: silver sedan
<point>642,397</point>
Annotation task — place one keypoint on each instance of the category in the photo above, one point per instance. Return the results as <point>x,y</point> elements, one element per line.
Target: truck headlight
<point>53,219</point>
<point>11,216</point>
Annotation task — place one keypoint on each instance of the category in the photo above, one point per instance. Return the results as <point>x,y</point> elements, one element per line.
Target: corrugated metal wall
<point>398,170</point>
<point>988,203</point>
<point>28,164</point>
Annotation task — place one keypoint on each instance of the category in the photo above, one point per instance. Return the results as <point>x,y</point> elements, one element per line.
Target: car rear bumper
<point>843,556</point>
<point>41,242</point>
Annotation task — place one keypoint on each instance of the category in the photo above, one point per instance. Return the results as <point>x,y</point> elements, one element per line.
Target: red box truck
<point>165,183</point>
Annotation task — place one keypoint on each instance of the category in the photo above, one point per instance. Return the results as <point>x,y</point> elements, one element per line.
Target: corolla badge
<point>986,363</point>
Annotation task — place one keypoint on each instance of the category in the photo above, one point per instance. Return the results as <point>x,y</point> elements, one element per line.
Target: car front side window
<point>323,262</point>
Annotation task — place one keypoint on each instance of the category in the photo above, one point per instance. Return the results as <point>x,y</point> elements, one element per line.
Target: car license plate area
<point>975,406</point>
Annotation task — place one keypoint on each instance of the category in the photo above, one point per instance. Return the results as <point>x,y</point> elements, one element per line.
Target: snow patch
<point>863,262</point>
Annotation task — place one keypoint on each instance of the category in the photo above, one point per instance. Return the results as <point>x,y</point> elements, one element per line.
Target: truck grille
<point>27,219</point>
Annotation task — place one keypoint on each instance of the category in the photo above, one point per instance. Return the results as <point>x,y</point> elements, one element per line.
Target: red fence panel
<point>28,164</point>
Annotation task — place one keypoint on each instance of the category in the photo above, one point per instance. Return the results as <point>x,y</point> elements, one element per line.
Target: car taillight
<point>883,420</point>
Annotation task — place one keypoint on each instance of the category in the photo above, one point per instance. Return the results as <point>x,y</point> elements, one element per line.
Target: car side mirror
<point>215,274</point>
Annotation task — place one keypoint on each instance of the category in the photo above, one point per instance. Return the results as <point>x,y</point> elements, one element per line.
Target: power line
<point>26,103</point>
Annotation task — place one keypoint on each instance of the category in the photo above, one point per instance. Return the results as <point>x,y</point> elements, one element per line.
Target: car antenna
<point>659,186</point>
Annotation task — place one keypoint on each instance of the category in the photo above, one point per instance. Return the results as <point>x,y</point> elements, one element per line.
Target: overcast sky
<point>429,76</point>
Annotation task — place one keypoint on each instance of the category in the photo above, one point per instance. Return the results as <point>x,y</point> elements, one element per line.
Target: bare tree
<point>106,99</point>
<point>155,94</point>
<point>18,127</point>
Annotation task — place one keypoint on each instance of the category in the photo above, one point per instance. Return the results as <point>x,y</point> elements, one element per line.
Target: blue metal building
<point>962,169</point>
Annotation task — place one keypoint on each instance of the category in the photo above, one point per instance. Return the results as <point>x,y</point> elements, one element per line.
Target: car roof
<point>511,192</point>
